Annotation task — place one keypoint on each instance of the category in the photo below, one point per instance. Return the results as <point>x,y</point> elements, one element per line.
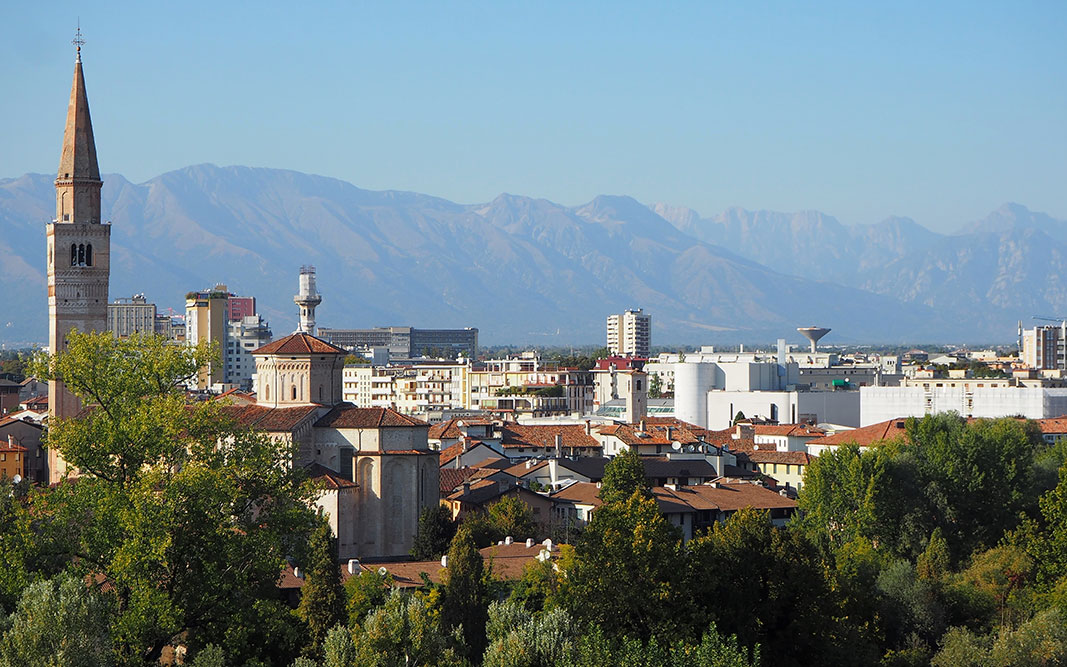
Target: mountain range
<point>522,269</point>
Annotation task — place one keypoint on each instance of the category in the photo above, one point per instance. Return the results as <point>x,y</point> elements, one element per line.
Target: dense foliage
<point>947,547</point>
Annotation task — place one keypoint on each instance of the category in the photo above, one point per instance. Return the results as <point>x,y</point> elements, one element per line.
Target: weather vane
<point>78,41</point>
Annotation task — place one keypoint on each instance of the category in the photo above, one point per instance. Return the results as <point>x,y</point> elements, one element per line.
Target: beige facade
<point>206,321</point>
<point>630,333</point>
<point>78,247</point>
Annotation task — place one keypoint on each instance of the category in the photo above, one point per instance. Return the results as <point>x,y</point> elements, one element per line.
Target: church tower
<point>79,245</point>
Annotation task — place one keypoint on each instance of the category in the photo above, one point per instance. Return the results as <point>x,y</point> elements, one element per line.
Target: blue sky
<point>936,111</point>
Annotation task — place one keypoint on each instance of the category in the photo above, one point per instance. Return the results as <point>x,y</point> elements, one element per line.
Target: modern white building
<point>972,398</point>
<point>126,316</point>
<point>630,333</point>
<point>245,335</point>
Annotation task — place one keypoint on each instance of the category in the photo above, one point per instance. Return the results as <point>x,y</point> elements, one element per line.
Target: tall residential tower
<point>630,333</point>
<point>79,246</point>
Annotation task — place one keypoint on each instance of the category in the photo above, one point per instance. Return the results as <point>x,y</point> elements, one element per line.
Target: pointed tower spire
<point>78,181</point>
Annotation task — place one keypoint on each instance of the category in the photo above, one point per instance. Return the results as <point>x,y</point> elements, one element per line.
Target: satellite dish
<point>459,424</point>
<point>676,446</point>
<point>755,446</point>
<point>382,571</point>
<point>16,479</point>
<point>689,448</point>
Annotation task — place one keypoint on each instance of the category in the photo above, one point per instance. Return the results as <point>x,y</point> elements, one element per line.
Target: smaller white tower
<point>307,299</point>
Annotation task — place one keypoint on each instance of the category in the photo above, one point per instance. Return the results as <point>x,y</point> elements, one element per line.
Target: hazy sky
<point>937,111</point>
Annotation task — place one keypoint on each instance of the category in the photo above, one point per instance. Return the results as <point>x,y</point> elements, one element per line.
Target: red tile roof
<point>727,497</point>
<point>657,431</point>
<point>273,420</point>
<point>774,456</point>
<point>1052,425</point>
<point>348,416</point>
<point>867,435</point>
<point>329,479</point>
<point>581,493</point>
<point>544,436</point>
<point>795,430</point>
<point>299,343</point>
<point>452,478</point>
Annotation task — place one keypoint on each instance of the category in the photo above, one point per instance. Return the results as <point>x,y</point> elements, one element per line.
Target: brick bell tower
<point>79,247</point>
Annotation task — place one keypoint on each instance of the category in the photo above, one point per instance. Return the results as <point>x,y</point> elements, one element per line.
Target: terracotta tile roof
<point>544,436</point>
<point>727,497</point>
<point>452,451</point>
<point>795,430</point>
<point>867,435</point>
<point>348,416</point>
<point>273,420</point>
<point>580,493</point>
<point>493,464</point>
<point>36,402</point>
<point>453,478</point>
<point>445,430</point>
<point>329,479</point>
<point>5,447</point>
<point>508,561</point>
<point>299,343</point>
<point>520,470</point>
<point>1052,425</point>
<point>8,420</point>
<point>657,431</point>
<point>773,456</point>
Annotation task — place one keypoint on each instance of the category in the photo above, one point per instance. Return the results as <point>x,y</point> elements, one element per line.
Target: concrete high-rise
<point>630,333</point>
<point>307,299</point>
<point>79,246</point>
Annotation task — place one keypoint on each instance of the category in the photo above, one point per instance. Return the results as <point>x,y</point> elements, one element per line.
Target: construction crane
<point>1049,319</point>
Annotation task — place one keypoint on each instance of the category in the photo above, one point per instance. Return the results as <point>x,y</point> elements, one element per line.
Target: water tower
<point>813,334</point>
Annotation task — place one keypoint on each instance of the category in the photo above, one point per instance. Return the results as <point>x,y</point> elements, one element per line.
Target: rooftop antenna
<point>78,41</point>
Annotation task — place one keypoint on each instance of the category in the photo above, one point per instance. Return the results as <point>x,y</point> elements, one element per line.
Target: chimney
<point>509,540</point>
<point>553,472</point>
<point>588,427</point>
<point>444,560</point>
<point>641,424</point>
<point>559,445</point>
<point>529,542</point>
<point>298,573</point>
<point>353,565</point>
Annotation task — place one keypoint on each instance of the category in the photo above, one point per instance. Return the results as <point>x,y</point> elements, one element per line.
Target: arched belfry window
<point>89,254</point>
<point>73,254</point>
<point>81,255</point>
<point>294,392</point>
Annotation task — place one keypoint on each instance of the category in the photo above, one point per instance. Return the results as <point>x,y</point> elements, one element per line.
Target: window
<point>73,254</point>
<point>89,254</point>
<point>294,392</point>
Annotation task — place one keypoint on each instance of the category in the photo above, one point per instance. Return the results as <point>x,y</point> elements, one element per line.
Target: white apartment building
<point>1044,348</point>
<point>630,333</point>
<point>132,315</point>
<point>243,336</point>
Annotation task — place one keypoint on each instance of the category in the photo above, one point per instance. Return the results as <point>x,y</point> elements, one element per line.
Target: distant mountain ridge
<point>520,268</point>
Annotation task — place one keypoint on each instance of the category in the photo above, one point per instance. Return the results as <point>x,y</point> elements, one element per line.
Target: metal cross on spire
<point>78,41</point>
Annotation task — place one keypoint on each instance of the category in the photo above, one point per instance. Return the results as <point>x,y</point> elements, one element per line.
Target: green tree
<point>322,598</point>
<point>626,572</point>
<point>934,562</point>
<point>655,386</point>
<point>405,632</point>
<point>512,517</point>
<point>210,656</point>
<point>59,623</point>
<point>188,517</point>
<point>339,648</point>
<point>518,638</point>
<point>623,475</point>
<point>366,592</point>
<point>435,531</point>
<point>465,598</point>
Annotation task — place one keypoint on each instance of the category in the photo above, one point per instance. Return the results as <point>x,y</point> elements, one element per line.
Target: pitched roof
<point>794,430</point>
<point>1052,425</point>
<point>349,416</point>
<point>774,456</point>
<point>299,343</point>
<point>330,479</point>
<point>9,420</point>
<point>661,466</point>
<point>452,451</point>
<point>662,431</point>
<point>78,159</point>
<point>726,497</point>
<point>452,478</point>
<point>544,436</point>
<point>866,435</point>
<point>273,420</point>
<point>581,493</point>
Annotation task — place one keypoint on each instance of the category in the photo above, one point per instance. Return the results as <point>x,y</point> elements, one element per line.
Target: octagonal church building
<point>373,466</point>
